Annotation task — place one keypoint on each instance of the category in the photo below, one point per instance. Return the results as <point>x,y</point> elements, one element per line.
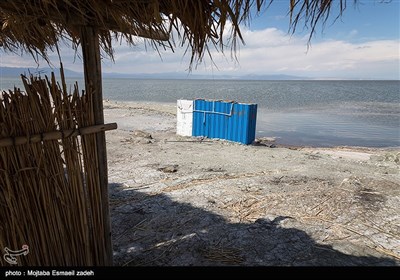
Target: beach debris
<point>145,141</point>
<point>265,141</point>
<point>214,169</point>
<point>169,168</point>
<point>142,134</point>
<point>139,137</point>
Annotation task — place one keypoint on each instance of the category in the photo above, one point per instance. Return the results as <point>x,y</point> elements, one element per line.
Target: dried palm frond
<point>36,26</point>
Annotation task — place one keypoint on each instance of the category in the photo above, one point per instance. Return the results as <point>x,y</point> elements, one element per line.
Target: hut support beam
<point>93,82</point>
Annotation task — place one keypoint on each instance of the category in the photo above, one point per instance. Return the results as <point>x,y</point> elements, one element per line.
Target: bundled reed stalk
<point>49,190</point>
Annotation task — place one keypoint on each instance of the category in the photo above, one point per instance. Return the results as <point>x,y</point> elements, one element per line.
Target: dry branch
<point>56,135</point>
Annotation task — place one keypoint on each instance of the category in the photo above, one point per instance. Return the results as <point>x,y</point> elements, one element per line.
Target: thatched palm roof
<point>38,25</point>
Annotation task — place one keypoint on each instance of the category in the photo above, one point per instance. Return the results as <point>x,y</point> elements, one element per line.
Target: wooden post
<point>92,70</point>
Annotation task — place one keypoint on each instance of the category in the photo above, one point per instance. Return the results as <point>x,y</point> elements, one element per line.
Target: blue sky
<point>363,44</point>
<point>371,18</point>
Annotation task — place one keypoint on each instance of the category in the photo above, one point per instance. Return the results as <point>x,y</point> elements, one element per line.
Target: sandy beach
<point>180,201</point>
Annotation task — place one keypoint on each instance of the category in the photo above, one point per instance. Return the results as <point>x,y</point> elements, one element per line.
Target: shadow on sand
<point>153,230</point>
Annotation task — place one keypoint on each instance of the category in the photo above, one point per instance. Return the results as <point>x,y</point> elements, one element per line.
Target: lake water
<point>312,113</point>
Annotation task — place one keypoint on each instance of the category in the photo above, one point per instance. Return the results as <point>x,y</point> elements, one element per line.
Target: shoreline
<point>170,108</point>
<point>181,201</point>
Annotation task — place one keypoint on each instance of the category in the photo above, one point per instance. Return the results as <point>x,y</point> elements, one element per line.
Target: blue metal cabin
<point>225,120</point>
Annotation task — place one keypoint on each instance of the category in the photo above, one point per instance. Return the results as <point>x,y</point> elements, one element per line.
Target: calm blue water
<point>313,113</point>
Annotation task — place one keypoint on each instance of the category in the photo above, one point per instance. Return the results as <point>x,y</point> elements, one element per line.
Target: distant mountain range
<point>17,71</point>
<point>186,76</point>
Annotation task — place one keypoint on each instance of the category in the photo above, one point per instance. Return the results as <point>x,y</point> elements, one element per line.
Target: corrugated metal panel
<point>184,117</point>
<point>225,120</point>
